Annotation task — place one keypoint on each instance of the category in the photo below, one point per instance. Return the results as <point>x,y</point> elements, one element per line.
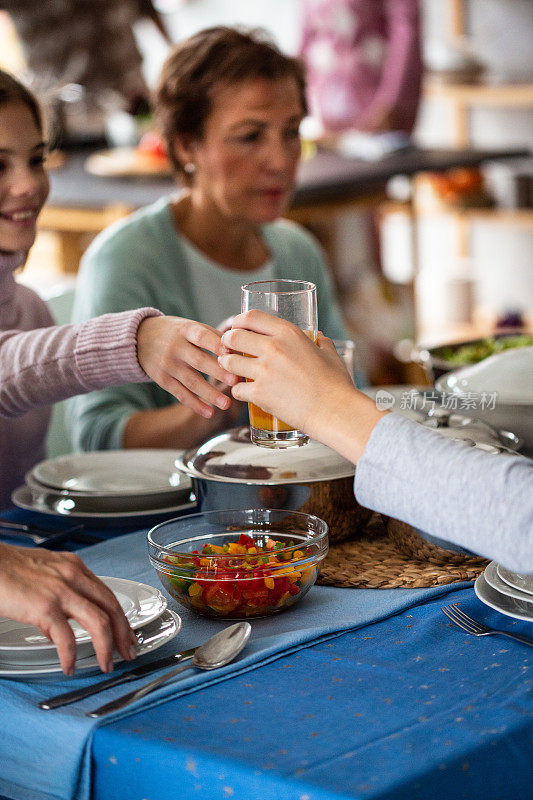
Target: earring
<point>189,168</point>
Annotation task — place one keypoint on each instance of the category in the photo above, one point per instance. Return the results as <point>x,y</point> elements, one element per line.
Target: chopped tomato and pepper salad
<point>242,578</point>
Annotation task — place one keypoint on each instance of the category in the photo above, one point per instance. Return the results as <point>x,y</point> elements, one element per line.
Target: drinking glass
<point>294,301</point>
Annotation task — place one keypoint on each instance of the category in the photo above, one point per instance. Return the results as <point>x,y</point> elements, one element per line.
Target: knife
<point>138,672</point>
<point>43,536</point>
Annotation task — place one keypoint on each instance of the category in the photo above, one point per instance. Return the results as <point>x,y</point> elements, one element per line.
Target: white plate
<point>113,472</point>
<point>25,644</point>
<point>519,609</point>
<point>492,577</point>
<point>108,503</point>
<point>126,162</point>
<point>523,583</point>
<point>154,635</point>
<point>66,507</point>
<point>15,635</point>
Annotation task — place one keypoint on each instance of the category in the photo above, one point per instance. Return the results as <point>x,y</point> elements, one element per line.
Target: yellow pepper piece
<point>297,555</point>
<point>308,574</point>
<point>195,590</point>
<point>234,548</point>
<point>283,599</point>
<point>269,583</point>
<point>287,572</point>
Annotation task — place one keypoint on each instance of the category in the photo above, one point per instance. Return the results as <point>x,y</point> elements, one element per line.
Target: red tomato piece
<point>257,594</point>
<point>281,585</point>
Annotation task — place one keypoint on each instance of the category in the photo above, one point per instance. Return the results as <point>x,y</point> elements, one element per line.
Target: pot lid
<point>426,407</point>
<point>231,457</point>
<point>475,432</point>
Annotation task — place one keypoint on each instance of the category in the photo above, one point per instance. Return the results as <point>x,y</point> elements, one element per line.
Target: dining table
<point>351,693</point>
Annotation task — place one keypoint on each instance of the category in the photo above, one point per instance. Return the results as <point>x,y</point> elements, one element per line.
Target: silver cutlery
<point>41,536</point>
<point>138,672</point>
<point>476,628</point>
<point>218,651</point>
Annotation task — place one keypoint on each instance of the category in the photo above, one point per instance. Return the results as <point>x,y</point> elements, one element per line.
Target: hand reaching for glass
<point>171,350</point>
<point>303,383</point>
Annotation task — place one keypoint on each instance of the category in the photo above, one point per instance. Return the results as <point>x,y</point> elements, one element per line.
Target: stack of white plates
<point>26,653</point>
<point>506,591</point>
<point>108,484</point>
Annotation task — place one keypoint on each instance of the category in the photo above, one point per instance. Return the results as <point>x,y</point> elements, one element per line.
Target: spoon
<point>218,651</point>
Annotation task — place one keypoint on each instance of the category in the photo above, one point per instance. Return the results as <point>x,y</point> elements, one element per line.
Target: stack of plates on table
<point>110,484</point>
<point>26,653</point>
<point>506,591</point>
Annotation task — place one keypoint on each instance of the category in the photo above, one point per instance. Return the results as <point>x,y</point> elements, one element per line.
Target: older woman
<point>229,104</point>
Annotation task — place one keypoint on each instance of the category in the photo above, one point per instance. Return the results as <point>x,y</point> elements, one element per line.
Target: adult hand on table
<point>171,350</point>
<point>305,385</point>
<point>46,589</point>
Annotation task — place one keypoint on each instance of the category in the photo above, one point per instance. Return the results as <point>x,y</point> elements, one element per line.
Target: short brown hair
<point>183,96</point>
<point>13,91</point>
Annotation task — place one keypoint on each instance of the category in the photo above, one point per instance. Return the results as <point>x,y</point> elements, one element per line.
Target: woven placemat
<point>374,560</point>
<point>334,502</point>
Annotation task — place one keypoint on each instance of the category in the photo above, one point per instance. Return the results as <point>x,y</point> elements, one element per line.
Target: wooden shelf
<point>517,217</point>
<point>81,220</point>
<point>512,95</point>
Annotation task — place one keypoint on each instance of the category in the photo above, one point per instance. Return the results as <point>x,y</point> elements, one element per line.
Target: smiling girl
<point>41,364</point>
<point>47,365</point>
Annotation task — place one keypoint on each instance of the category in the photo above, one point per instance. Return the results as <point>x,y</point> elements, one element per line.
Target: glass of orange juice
<point>294,301</point>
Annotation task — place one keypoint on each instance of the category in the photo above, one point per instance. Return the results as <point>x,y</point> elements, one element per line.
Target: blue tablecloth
<point>58,744</point>
<point>409,708</point>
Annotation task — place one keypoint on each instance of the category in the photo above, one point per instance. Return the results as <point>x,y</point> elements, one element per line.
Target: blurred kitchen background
<point>455,254</point>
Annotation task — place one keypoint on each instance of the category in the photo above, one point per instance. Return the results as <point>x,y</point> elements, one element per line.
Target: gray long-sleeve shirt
<point>473,499</point>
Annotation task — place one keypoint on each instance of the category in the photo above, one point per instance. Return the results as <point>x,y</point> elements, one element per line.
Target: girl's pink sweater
<point>40,365</point>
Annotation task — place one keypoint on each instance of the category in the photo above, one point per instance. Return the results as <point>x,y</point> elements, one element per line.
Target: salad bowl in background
<point>443,358</point>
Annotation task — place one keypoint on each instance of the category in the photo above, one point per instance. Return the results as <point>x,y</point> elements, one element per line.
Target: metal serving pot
<point>231,472</point>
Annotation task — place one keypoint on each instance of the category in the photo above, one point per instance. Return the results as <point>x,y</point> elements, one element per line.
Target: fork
<point>475,628</point>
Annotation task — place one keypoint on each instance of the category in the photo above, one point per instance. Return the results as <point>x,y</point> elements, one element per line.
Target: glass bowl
<point>240,563</point>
